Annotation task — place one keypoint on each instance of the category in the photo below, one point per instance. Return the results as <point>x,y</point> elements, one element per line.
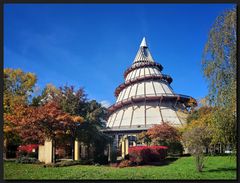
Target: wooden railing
<point>152,97</point>
<point>141,65</point>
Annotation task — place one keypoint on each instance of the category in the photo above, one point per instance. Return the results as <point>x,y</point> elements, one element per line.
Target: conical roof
<point>146,97</point>
<point>143,54</point>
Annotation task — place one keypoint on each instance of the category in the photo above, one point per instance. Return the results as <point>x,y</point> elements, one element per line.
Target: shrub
<point>32,155</point>
<point>146,154</point>
<point>21,153</point>
<point>175,148</point>
<point>27,150</point>
<point>27,160</point>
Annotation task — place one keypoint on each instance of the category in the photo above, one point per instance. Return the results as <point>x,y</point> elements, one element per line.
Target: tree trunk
<point>206,150</point>
<point>199,163</point>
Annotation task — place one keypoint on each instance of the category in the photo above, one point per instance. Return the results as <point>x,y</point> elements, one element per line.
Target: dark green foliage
<point>101,159</point>
<point>175,148</point>
<point>36,101</point>
<point>33,155</point>
<point>89,134</point>
<point>73,101</point>
<point>27,160</point>
<point>95,113</point>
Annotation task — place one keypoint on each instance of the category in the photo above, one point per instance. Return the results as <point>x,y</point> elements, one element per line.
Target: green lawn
<point>218,167</point>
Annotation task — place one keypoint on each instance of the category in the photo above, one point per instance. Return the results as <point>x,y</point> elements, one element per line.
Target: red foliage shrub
<point>27,149</point>
<point>146,154</point>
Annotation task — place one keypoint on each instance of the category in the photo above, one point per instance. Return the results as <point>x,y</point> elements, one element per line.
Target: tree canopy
<point>219,67</point>
<point>219,59</point>
<point>18,86</point>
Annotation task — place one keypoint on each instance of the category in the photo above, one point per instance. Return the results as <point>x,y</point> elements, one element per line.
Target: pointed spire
<point>143,43</point>
<point>143,53</point>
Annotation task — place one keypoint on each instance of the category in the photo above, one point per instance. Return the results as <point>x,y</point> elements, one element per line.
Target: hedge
<point>147,154</point>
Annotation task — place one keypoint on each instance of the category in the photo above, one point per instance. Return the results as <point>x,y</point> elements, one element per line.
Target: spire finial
<point>143,43</point>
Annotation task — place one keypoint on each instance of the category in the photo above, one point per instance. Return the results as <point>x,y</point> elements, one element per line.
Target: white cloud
<point>105,103</point>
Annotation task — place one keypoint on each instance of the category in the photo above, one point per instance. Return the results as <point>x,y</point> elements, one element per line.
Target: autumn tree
<point>20,117</point>
<point>219,67</point>
<point>46,122</point>
<point>75,103</point>
<point>165,134</point>
<point>18,86</point>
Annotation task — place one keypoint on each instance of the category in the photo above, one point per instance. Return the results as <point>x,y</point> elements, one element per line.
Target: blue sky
<point>91,45</point>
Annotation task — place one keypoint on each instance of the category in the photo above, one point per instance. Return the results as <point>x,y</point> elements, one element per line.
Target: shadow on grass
<point>221,169</point>
<point>164,162</point>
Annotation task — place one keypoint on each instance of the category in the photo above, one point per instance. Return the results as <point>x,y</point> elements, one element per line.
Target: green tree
<point>75,102</point>
<point>219,66</point>
<point>96,113</point>
<point>91,136</point>
<point>72,101</point>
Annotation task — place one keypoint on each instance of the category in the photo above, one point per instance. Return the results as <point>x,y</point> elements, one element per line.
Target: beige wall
<point>41,153</point>
<point>45,152</point>
<point>48,151</point>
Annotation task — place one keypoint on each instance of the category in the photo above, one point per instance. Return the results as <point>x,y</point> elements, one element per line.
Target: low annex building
<point>143,100</point>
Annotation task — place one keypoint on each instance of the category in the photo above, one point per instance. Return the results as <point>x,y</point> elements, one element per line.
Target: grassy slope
<point>183,168</point>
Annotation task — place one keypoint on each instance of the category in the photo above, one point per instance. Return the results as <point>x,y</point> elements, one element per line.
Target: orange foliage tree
<point>35,124</point>
<point>165,134</point>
